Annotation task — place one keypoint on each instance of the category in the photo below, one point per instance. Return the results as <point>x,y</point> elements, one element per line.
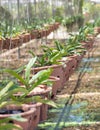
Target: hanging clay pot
<point>25,37</point>
<point>15,42</point>
<point>43,91</point>
<point>87,44</point>
<point>55,86</point>
<point>6,44</point>
<point>35,33</point>
<point>29,114</point>
<point>57,72</point>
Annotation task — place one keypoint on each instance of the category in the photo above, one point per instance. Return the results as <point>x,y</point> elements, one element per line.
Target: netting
<point>24,25</point>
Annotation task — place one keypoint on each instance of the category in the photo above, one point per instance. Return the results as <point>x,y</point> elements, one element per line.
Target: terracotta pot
<point>11,43</point>
<point>32,36</point>
<point>57,72</point>
<point>25,37</point>
<point>91,37</point>
<point>41,110</point>
<point>78,59</point>
<point>68,68</point>
<point>44,92</point>
<point>38,112</point>
<point>35,33</point>
<point>15,42</point>
<point>6,44</point>
<point>55,86</point>
<point>47,32</point>
<point>72,62</point>
<point>87,45</point>
<point>43,33</point>
<point>29,114</point>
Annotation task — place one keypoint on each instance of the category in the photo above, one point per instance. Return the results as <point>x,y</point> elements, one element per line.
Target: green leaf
<point>59,46</point>
<point>5,89</point>
<point>3,103</point>
<point>28,68</point>
<point>18,118</point>
<point>19,70</point>
<point>9,126</point>
<point>32,53</point>
<point>45,101</point>
<point>19,89</point>
<point>17,76</point>
<point>40,74</point>
<point>55,57</point>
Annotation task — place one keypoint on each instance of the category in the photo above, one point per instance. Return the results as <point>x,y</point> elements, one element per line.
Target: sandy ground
<point>89,89</point>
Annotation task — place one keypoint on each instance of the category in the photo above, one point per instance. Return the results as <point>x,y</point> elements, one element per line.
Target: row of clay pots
<point>60,75</point>
<point>64,70</point>
<point>36,112</point>
<point>10,43</point>
<point>33,112</point>
<point>88,44</point>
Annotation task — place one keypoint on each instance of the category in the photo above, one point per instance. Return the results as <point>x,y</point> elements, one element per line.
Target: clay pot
<point>15,42</point>
<point>44,92</point>
<point>35,33</point>
<point>11,43</point>
<point>29,114</point>
<point>57,72</point>
<point>47,32</point>
<point>6,44</point>
<point>43,33</point>
<point>91,37</point>
<point>32,35</point>
<point>87,44</point>
<point>25,37</point>
<point>68,67</point>
<point>38,112</point>
<point>55,86</point>
<point>78,59</point>
<point>72,63</point>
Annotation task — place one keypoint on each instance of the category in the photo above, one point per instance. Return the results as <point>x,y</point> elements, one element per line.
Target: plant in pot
<point>83,37</point>
<point>71,55</point>
<point>49,59</point>
<point>68,22</point>
<point>10,118</point>
<point>11,35</point>
<point>36,85</point>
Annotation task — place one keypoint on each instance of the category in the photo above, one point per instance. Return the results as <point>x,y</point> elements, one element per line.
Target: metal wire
<point>69,102</point>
